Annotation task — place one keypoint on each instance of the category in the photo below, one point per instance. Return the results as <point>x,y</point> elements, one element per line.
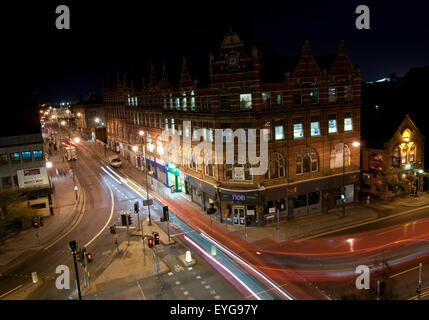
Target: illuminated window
<point>332,123</point>
<point>279,132</point>
<point>15,156</point>
<point>171,102</point>
<point>245,101</point>
<point>184,101</point>
<point>177,103</point>
<point>172,126</point>
<point>404,154</point>
<point>159,146</point>
<point>166,124</point>
<point>26,155</point>
<point>266,100</point>
<point>278,99</point>
<point>165,102</point>
<point>314,93</point>
<point>192,101</point>
<point>337,156</point>
<point>348,124</point>
<point>332,92</point>
<point>413,153</point>
<point>315,126</point>
<point>406,135</point>
<point>298,131</point>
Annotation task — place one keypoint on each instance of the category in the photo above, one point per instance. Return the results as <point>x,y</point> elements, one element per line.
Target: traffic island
<point>132,264</point>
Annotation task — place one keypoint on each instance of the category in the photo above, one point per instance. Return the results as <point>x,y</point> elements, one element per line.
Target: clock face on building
<point>232,61</point>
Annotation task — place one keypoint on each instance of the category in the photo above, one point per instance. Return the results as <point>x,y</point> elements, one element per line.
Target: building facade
<point>399,166</point>
<point>89,115</point>
<point>23,167</point>
<point>310,107</point>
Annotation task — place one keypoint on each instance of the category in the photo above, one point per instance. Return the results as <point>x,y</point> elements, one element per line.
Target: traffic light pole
<point>77,276</point>
<point>168,229</point>
<point>419,287</point>
<point>38,234</point>
<point>128,225</point>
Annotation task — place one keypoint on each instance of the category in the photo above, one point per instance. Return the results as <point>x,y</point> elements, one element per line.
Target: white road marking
<point>108,221</point>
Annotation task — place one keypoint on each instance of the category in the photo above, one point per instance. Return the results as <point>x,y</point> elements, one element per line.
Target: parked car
<point>115,161</point>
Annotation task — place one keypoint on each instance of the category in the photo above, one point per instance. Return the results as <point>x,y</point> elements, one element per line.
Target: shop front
<point>240,208</point>
<point>176,179</point>
<point>202,193</point>
<point>307,197</point>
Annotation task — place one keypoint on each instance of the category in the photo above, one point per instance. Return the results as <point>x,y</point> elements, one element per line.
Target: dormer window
<point>314,93</point>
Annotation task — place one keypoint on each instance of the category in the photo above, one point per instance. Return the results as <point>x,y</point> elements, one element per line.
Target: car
<point>115,161</point>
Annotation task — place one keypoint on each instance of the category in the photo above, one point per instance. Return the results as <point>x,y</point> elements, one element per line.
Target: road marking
<point>398,274</point>
<point>73,226</point>
<point>108,221</point>
<point>422,295</point>
<point>5,294</point>
<point>363,223</point>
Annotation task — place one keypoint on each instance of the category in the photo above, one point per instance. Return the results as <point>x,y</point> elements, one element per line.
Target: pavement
<point>16,249</point>
<point>297,228</point>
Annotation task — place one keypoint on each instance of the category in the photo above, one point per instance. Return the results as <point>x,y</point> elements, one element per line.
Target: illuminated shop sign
<point>238,197</point>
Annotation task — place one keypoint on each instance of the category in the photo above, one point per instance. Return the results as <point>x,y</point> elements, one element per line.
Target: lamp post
<point>343,196</point>
<point>141,133</point>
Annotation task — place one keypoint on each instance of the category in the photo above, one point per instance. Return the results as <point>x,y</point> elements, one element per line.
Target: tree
<point>13,210</point>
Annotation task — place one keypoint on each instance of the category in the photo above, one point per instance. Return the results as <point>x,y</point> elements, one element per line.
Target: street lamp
<point>75,189</point>
<point>141,133</point>
<point>48,164</point>
<point>76,140</point>
<point>97,120</point>
<point>343,196</point>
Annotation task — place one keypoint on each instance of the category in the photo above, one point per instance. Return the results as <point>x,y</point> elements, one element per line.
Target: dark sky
<point>110,36</point>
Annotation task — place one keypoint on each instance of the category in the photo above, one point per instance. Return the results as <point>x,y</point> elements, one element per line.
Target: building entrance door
<point>238,215</point>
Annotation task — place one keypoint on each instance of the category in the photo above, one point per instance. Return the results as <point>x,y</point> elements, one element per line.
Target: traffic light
<point>130,220</point>
<point>89,257</point>
<point>150,242</point>
<point>124,219</point>
<point>78,255</point>
<point>113,229</point>
<point>166,215</point>
<point>35,222</point>
<point>136,207</point>
<point>40,221</point>
<point>156,237</point>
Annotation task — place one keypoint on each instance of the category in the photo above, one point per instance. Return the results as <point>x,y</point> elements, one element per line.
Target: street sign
<point>147,202</point>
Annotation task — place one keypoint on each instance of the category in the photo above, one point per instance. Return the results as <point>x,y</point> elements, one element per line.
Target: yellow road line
<point>398,274</point>
<point>422,295</point>
<point>72,227</point>
<point>363,223</point>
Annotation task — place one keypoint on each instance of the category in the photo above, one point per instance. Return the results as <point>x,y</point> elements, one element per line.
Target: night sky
<point>110,36</point>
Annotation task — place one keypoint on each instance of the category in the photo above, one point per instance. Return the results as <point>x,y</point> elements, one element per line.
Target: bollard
<point>34,277</point>
<point>188,257</point>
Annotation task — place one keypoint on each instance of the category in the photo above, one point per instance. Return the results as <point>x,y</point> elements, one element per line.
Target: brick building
<point>311,107</point>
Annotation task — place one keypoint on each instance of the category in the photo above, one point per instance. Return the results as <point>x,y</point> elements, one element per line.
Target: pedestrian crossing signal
<point>150,242</point>
<point>156,238</point>
<point>166,215</point>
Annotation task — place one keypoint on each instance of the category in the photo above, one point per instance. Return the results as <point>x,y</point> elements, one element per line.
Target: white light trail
<point>111,175</point>
<point>223,267</point>
<point>229,252</point>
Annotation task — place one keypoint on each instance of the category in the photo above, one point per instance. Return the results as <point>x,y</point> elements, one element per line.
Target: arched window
<point>314,93</point>
<point>297,94</point>
<point>337,156</point>
<point>348,91</point>
<point>404,154</point>
<point>238,172</point>
<point>277,166</point>
<point>332,92</point>
<point>159,146</point>
<point>412,157</point>
<point>150,145</point>
<point>192,101</point>
<point>307,161</point>
<point>245,98</point>
<point>397,151</point>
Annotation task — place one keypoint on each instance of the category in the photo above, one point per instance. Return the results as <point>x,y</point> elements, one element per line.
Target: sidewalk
<point>296,228</point>
<point>18,248</point>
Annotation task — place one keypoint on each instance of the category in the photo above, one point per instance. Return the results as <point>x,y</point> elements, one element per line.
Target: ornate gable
<point>307,66</point>
<point>342,63</point>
